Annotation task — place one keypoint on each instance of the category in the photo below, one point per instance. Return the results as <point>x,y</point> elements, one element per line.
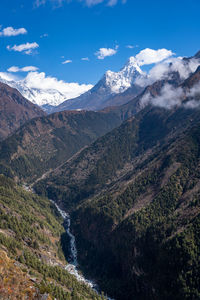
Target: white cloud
<point>15,69</point>
<point>26,48</point>
<point>150,56</point>
<point>105,52</point>
<point>92,2</point>
<point>161,70</point>
<point>131,46</point>
<point>195,91</point>
<point>88,3</point>
<point>10,31</point>
<point>108,2</point>
<point>192,104</point>
<point>85,58</point>
<point>169,97</point>
<point>8,76</point>
<point>45,89</point>
<point>184,68</point>
<point>194,97</point>
<point>68,61</point>
<point>41,81</point>
<point>173,96</point>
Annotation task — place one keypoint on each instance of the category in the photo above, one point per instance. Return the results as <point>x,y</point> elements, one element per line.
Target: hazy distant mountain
<point>15,110</point>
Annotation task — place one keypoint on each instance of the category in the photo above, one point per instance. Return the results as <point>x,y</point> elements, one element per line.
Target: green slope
<point>145,232</point>
<point>30,234</point>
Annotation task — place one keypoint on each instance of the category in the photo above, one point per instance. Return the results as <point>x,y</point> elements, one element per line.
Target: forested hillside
<point>31,240</point>
<point>134,198</point>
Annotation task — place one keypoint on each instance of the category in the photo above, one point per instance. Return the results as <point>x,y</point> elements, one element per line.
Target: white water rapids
<point>72,268</point>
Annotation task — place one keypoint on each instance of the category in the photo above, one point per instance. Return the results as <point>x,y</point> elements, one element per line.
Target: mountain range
<point>104,92</point>
<point>129,176</point>
<point>43,96</point>
<point>111,84</point>
<point>114,88</point>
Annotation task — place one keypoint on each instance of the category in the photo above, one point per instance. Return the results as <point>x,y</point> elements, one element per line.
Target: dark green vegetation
<point>150,230</point>
<point>30,231</point>
<point>134,198</point>
<point>44,143</point>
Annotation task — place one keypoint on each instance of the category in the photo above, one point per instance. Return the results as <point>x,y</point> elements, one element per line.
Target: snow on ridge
<point>52,96</point>
<point>36,87</point>
<point>120,81</point>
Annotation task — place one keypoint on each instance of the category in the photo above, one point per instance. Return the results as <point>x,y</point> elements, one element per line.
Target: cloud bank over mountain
<point>42,89</point>
<point>162,69</point>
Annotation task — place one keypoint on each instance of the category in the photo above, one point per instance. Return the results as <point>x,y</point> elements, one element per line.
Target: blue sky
<point>72,30</point>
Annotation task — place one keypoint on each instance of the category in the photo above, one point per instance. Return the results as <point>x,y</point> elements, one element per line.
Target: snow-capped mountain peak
<point>40,93</point>
<point>131,65</point>
<point>120,81</point>
<point>110,85</point>
<point>48,92</point>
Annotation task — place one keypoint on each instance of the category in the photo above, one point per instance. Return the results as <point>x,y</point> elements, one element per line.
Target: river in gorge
<point>72,267</point>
